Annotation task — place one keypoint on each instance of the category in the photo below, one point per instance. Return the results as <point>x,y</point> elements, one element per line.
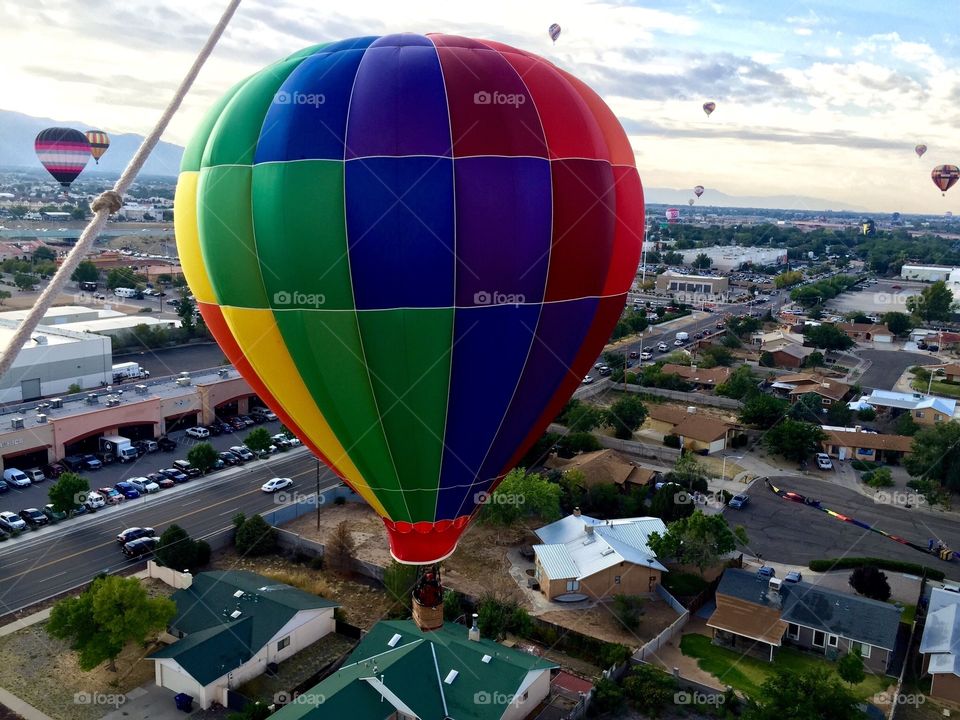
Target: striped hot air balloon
<point>99,142</point>
<point>945,177</point>
<point>64,152</point>
<point>413,248</point>
<point>554,32</point>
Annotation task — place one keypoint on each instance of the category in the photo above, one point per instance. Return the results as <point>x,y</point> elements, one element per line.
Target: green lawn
<point>909,612</point>
<point>747,674</point>
<point>937,388</point>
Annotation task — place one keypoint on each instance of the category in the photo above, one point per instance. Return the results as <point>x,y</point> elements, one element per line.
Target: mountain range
<point>17,133</point>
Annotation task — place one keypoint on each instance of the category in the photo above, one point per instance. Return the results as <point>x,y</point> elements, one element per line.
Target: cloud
<point>802,31</point>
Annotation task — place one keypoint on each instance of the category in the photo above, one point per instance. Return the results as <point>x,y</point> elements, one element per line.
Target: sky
<point>822,98</point>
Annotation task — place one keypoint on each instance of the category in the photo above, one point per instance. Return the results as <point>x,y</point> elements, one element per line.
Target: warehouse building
<point>926,273</point>
<point>732,258</point>
<point>121,326</point>
<point>693,288</point>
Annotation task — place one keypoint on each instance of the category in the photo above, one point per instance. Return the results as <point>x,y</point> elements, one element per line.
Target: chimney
<point>588,529</point>
<point>858,428</point>
<point>474,633</point>
<point>576,512</point>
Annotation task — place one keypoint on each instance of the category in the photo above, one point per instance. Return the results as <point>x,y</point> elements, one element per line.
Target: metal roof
<point>941,633</point>
<point>556,560</point>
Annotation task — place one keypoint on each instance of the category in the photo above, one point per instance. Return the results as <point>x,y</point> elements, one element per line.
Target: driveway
<point>887,367</point>
<point>150,702</point>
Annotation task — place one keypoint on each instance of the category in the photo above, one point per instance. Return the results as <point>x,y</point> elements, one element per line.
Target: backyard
<point>746,674</point>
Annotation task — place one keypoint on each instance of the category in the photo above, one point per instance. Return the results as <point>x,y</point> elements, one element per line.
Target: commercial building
<point>926,273</point>
<point>693,288</point>
<point>732,258</point>
<point>121,325</point>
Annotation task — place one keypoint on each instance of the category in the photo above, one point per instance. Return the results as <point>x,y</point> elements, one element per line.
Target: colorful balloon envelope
<point>64,152</point>
<point>945,177</point>
<point>99,143</point>
<point>413,248</point>
<point>709,107</point>
<point>672,214</point>
<point>554,32</point>
<point>698,190</point>
<point>920,150</point>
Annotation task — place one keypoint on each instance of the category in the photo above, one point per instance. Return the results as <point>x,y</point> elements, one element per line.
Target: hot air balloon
<point>419,348</point>
<point>709,107</point>
<point>945,176</point>
<point>99,142</point>
<point>63,152</point>
<point>554,32</point>
<point>920,150</point>
<point>672,214</point>
<point>690,201</point>
<point>698,190</point>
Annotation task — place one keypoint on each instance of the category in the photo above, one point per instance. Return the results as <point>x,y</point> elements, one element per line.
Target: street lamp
<point>723,469</point>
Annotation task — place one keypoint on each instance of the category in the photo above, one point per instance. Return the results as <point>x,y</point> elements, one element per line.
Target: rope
<point>111,201</point>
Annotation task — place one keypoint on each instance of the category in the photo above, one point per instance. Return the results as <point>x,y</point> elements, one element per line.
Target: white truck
<point>122,292</point>
<point>682,336</point>
<point>120,446</point>
<point>129,370</point>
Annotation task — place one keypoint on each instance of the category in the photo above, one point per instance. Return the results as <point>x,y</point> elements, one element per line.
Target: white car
<point>144,486</point>
<point>662,347</point>
<point>95,501</point>
<point>678,343</point>
<point>824,462</point>
<point>271,486</point>
<point>198,432</point>
<point>12,520</point>
<point>587,379</point>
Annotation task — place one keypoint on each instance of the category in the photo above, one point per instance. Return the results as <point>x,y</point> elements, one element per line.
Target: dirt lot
<point>478,566</point>
<point>600,622</point>
<point>44,672</point>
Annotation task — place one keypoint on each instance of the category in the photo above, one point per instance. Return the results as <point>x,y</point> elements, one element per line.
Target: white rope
<point>110,201</point>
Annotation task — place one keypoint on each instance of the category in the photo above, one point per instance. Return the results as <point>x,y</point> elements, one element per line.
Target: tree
<point>716,355</point>
<point>815,694</point>
<point>202,456</point>
<point>700,540</point>
<point>79,212</point>
<point>499,616</point>
<point>186,310</point>
<point>4,295</point>
<point>110,613</point>
<point>870,582</point>
<point>255,536</point>
<point>850,668</point>
<point>839,414</point>
<point>398,580</point>
<point>577,442</point>
<point>44,254</point>
<point>793,439</point>
<point>258,440</point>
<point>124,277</point>
<point>900,324</point>
<point>252,711</point>
<point>626,415</point>
<point>578,416</point>
<point>906,425</point>
<point>671,502</point>
<point>339,551</point>
<point>828,337</point>
<point>702,262</point>
<point>867,414</point>
<point>521,495</point>
<point>86,272</point>
<point>671,257</point>
<point>689,473</point>
<point>68,491</point>
<point>649,689</point>
<point>936,455</point>
<point>807,407</point>
<point>813,360</point>
<point>740,383</point>
<point>788,279</point>
<point>763,411</point>
<point>177,550</point>
<point>935,302</point>
<point>24,281</point>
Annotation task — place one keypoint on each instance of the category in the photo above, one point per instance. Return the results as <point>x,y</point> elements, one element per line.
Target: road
<point>53,560</point>
<point>783,531</point>
<point>887,366</point>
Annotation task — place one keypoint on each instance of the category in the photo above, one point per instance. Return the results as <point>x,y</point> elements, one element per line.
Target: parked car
<point>229,458</point>
<point>270,450</point>
<point>144,486</point>
<point>111,495</point>
<point>55,515</point>
<point>238,424</point>
<point>646,355</point>
<point>148,445</point>
<point>175,475</point>
<point>54,470</point>
<point>281,440</point>
<point>105,458</point>
<point>266,413</point>
<point>793,576</point>
<point>17,478</point>
<point>766,572</point>
<point>128,490</point>
<point>226,428</point>
<point>166,444</point>
<point>214,429</point>
<point>73,463</point>
<point>11,522</point>
<point>246,420</point>
<point>34,518</point>
<point>272,486</point>
<point>242,452</point>
<point>186,468</point>
<point>35,474</point>
<point>587,379</point>
<point>133,533</point>
<point>634,354</point>
<point>294,441</point>
<point>140,547</point>
<point>824,462</point>
<point>162,480</point>
<point>662,347</point>
<point>738,502</point>
<point>91,462</point>
<point>3,486</point>
<point>201,433</point>
<point>94,501</point>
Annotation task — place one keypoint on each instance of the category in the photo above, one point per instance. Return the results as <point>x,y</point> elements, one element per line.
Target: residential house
<point>605,467</point>
<point>400,672</point>
<point>797,385</point>
<point>663,418</point>
<point>229,626</point>
<point>940,644</point>
<point>925,409</point>
<point>866,332</point>
<point>700,377</point>
<point>758,615</point>
<point>598,558</point>
<point>867,446</point>
<point>951,373</point>
<point>790,355</point>
<point>698,432</point>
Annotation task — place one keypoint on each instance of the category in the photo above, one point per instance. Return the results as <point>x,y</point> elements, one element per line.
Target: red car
<point>896,287</point>
<point>111,495</point>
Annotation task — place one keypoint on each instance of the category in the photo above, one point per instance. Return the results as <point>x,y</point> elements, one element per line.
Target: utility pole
<point>318,493</point>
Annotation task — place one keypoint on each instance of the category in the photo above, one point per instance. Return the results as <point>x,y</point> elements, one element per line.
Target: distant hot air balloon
<point>709,107</point>
<point>416,358</point>
<point>690,201</point>
<point>920,150</point>
<point>945,176</point>
<point>63,152</point>
<point>698,190</point>
<point>673,215</point>
<point>554,32</point>
<point>99,142</point>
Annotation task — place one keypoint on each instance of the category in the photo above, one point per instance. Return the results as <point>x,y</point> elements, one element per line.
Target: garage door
<point>178,682</point>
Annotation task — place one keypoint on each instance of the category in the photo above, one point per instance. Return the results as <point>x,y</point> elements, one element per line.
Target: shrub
<point>612,654</point>
<point>867,414</point>
<point>671,440</point>
<point>879,478</point>
<point>256,536</point>
<point>628,609</point>
<point>851,563</point>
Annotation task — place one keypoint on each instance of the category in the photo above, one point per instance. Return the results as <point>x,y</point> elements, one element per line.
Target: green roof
<point>216,642</point>
<point>413,673</point>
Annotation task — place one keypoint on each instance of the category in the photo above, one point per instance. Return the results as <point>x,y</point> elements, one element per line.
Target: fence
<point>631,447</point>
<point>670,599</point>
<point>689,398</point>
<point>665,636</point>
<point>297,543</point>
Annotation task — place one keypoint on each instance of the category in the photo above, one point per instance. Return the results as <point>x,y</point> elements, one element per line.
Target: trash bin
<point>184,702</point>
